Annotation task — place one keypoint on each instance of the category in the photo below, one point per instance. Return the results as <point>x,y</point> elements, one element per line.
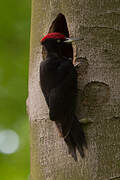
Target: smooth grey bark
<point>99,86</point>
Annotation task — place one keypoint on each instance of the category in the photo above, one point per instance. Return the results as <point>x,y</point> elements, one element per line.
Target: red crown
<point>53,36</point>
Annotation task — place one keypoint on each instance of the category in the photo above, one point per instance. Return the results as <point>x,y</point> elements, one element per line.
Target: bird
<point>58,82</point>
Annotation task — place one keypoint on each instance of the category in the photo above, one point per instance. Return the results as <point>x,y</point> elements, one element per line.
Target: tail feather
<point>76,139</point>
<point>71,146</point>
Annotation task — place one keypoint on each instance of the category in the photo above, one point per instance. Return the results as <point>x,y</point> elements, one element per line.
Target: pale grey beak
<point>70,40</point>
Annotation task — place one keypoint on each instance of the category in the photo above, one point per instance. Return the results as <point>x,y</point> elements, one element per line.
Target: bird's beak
<point>70,40</point>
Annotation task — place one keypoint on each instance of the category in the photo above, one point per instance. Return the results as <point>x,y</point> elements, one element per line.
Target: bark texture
<point>99,91</point>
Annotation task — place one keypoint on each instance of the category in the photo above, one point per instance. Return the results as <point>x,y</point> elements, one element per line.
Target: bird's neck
<point>52,54</point>
<point>56,53</point>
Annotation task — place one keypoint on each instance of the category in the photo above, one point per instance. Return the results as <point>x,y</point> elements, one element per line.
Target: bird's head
<point>53,41</point>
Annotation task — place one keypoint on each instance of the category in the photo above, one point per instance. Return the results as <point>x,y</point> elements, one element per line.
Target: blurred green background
<point>14,56</point>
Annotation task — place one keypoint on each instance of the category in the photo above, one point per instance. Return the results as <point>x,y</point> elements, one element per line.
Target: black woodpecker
<point>58,81</point>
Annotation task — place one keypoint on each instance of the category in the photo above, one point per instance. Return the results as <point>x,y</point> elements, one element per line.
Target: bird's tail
<point>76,139</point>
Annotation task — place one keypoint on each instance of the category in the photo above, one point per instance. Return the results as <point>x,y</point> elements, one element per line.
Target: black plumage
<point>58,81</point>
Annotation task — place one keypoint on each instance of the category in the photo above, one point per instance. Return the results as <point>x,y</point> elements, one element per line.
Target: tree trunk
<point>99,88</point>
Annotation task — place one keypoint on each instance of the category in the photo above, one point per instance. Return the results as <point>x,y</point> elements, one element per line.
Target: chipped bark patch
<point>96,93</point>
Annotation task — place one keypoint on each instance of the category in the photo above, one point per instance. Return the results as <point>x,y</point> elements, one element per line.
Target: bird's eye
<point>58,40</point>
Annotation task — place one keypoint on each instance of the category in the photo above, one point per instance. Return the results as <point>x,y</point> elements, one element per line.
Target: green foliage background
<point>14,55</point>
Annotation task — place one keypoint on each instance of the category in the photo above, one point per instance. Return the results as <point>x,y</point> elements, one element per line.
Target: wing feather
<point>62,98</point>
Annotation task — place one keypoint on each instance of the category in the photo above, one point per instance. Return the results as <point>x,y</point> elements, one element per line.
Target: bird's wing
<point>62,97</point>
<point>43,82</point>
<point>45,94</point>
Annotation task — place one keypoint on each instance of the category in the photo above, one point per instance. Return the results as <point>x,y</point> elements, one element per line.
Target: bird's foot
<point>77,64</point>
<point>80,61</point>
